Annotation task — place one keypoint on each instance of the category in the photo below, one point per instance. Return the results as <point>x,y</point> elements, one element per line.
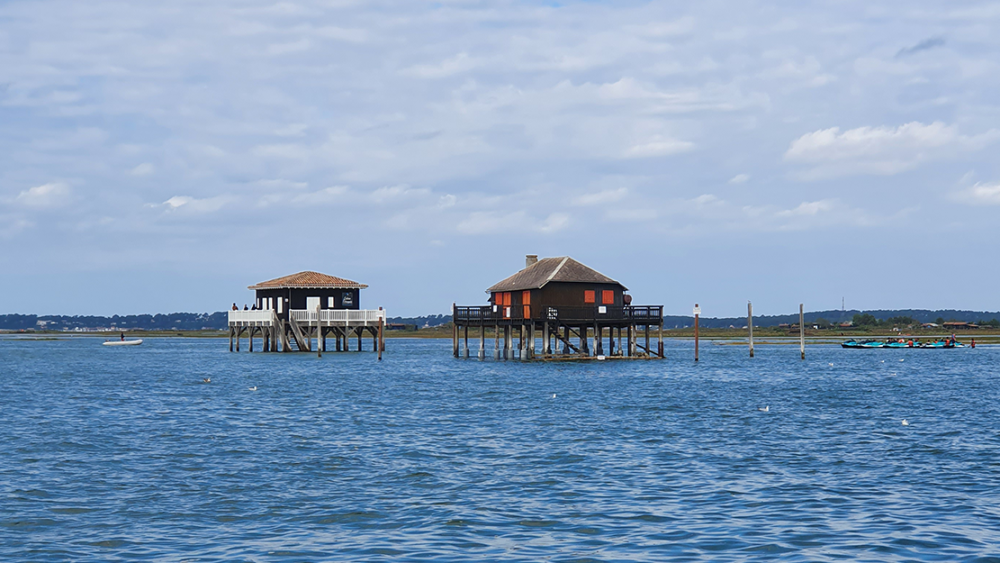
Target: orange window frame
<point>608,297</point>
<point>589,296</point>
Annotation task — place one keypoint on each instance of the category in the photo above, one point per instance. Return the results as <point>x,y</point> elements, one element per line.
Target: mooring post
<point>454,330</point>
<point>231,332</point>
<point>381,333</point>
<point>750,325</point>
<point>496,341</point>
<point>465,329</point>
<point>802,332</point>
<point>697,313</point>
<point>659,337</point>
<point>482,341</point>
<point>319,334</point>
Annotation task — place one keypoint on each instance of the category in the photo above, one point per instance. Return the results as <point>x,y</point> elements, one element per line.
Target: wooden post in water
<point>496,341</point>
<point>697,313</point>
<point>381,334</point>
<point>482,341</point>
<point>454,331</point>
<point>319,334</point>
<point>232,331</point>
<point>465,329</point>
<point>750,325</point>
<point>802,332</point>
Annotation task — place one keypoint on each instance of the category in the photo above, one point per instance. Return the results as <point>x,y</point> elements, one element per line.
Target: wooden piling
<point>802,332</point>
<point>454,330</point>
<point>496,341</point>
<point>697,313</point>
<point>482,342</point>
<point>232,331</point>
<point>465,329</point>
<point>319,334</point>
<point>750,325</point>
<point>381,335</point>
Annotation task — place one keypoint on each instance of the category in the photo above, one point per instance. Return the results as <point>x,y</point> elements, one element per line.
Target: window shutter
<point>588,296</point>
<point>526,298</point>
<point>608,297</point>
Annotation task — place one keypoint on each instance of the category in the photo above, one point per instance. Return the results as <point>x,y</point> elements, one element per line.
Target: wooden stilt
<point>649,351</point>
<point>750,325</point>
<point>546,344</point>
<point>496,342</point>
<point>659,337</point>
<point>465,330</point>
<point>482,342</point>
<point>239,334</point>
<point>697,313</point>
<point>358,332</point>
<point>232,331</point>
<point>454,331</point>
<point>802,332</point>
<point>381,336</point>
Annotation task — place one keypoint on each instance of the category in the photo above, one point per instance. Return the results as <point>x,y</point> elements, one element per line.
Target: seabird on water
<point>764,409</point>
<point>905,423</point>
<point>254,388</point>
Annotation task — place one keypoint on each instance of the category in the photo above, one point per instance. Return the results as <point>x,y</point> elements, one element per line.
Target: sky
<point>163,156</point>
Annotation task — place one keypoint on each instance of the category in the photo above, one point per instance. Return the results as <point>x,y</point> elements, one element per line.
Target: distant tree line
<point>171,321</point>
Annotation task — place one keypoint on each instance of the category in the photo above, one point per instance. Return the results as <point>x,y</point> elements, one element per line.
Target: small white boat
<point>123,342</point>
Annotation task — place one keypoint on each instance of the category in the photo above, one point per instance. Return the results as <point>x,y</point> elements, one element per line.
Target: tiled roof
<point>309,280</point>
<point>561,269</point>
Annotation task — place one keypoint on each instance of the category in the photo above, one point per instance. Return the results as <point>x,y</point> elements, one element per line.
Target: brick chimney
<point>530,260</point>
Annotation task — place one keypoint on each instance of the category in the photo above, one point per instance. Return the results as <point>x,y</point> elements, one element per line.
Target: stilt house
<point>297,308</point>
<point>560,298</point>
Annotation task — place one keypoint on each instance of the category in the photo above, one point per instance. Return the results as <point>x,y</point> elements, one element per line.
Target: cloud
<point>981,194</point>
<point>658,146</point>
<point>454,65</point>
<point>924,45</point>
<point>490,222</point>
<point>880,150</point>
<point>739,179</point>
<point>144,169</point>
<point>602,197</point>
<point>47,195</point>
<point>190,204</point>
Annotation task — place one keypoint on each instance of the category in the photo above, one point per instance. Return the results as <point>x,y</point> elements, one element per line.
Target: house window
<point>608,297</point>
<point>329,302</point>
<point>506,299</point>
<point>588,296</point>
<point>525,298</point>
<point>347,299</point>
<point>527,311</point>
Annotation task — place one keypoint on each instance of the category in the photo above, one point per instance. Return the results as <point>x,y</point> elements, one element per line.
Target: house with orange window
<point>563,301</point>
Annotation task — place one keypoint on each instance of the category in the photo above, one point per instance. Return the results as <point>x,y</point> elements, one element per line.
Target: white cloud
<point>144,169</point>
<point>880,150</point>
<point>454,65</point>
<point>190,204</point>
<point>981,194</point>
<point>490,222</point>
<point>47,195</point>
<point>658,146</point>
<point>739,179</point>
<point>601,197</point>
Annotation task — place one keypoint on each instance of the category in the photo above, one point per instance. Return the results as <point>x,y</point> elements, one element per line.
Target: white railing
<point>338,316</point>
<point>256,318</point>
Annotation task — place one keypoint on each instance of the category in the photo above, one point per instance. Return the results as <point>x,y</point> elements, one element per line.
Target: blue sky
<point>159,157</point>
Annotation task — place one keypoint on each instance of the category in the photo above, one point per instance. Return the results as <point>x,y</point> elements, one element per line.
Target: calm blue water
<point>124,454</point>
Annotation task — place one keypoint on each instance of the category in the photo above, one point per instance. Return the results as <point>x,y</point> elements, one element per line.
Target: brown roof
<point>304,280</point>
<point>560,269</point>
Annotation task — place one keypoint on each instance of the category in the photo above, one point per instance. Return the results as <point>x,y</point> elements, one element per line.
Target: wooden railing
<point>251,318</point>
<point>338,316</point>
<point>491,314</point>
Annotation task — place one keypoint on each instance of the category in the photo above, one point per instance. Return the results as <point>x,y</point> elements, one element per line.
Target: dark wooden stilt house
<point>297,308</point>
<point>562,301</point>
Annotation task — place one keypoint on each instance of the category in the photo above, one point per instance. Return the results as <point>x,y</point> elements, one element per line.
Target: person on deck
<point>245,308</point>
<point>123,337</point>
<point>235,308</point>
